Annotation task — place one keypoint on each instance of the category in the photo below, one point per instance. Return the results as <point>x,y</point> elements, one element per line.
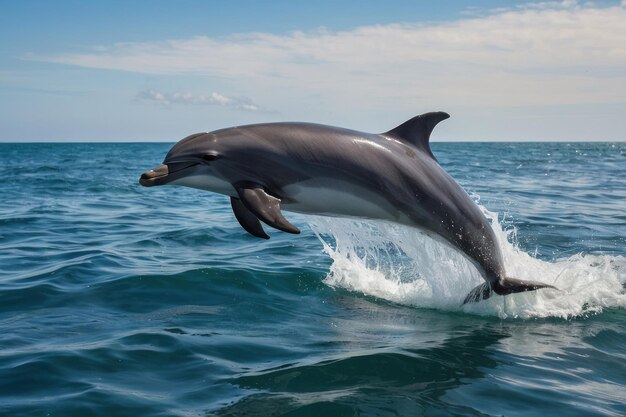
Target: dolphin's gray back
<point>405,175</point>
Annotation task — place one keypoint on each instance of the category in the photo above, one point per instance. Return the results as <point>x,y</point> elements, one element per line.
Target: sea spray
<point>405,265</point>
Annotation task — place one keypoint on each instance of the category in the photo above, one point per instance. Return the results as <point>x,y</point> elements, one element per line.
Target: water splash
<point>403,265</point>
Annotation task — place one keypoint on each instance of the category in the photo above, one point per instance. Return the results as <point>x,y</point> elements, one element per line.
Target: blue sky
<point>158,71</point>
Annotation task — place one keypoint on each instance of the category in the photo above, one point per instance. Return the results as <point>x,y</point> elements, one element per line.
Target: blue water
<point>119,300</point>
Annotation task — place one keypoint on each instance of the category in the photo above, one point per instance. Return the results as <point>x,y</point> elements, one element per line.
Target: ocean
<point>120,300</point>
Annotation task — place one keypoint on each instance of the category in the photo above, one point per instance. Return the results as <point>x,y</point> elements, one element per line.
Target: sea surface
<point>119,300</point>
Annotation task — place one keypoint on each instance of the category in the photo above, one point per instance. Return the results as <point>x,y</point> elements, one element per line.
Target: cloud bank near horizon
<point>168,99</point>
<point>543,54</point>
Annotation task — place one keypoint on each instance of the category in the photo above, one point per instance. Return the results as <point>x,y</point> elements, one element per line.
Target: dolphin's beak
<point>156,176</point>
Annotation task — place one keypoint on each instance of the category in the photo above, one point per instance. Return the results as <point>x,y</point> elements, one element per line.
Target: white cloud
<point>549,53</point>
<point>168,99</point>
<point>549,4</point>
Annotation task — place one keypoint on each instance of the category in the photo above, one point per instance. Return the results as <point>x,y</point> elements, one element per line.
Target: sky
<point>161,70</point>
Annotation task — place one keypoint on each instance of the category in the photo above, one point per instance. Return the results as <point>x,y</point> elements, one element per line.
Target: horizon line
<point>432,141</point>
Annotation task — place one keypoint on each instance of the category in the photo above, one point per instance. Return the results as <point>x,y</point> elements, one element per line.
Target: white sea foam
<point>402,265</point>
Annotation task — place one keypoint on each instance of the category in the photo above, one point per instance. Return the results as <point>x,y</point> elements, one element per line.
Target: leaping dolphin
<point>318,169</point>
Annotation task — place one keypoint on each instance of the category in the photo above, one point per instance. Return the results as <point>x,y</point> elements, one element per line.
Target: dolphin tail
<point>503,286</point>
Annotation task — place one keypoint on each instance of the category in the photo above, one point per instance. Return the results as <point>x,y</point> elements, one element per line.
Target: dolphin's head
<point>220,160</point>
<point>193,156</point>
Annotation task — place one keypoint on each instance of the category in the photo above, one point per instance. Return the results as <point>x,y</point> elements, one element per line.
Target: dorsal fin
<point>417,130</point>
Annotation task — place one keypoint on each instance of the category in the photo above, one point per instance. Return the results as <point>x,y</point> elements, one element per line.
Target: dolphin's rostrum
<point>317,169</point>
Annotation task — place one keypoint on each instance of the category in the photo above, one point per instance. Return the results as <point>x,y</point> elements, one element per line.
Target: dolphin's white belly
<point>338,198</point>
<point>207,183</point>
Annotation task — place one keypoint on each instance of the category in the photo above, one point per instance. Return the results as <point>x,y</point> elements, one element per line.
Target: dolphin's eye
<point>210,157</point>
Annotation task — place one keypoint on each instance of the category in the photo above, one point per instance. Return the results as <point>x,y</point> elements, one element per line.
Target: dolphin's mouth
<point>155,176</point>
<point>163,174</point>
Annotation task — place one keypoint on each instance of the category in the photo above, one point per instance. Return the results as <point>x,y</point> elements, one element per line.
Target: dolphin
<point>317,169</point>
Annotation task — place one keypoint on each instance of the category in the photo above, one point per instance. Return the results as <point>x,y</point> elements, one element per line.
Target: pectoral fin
<point>247,219</point>
<point>265,207</point>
